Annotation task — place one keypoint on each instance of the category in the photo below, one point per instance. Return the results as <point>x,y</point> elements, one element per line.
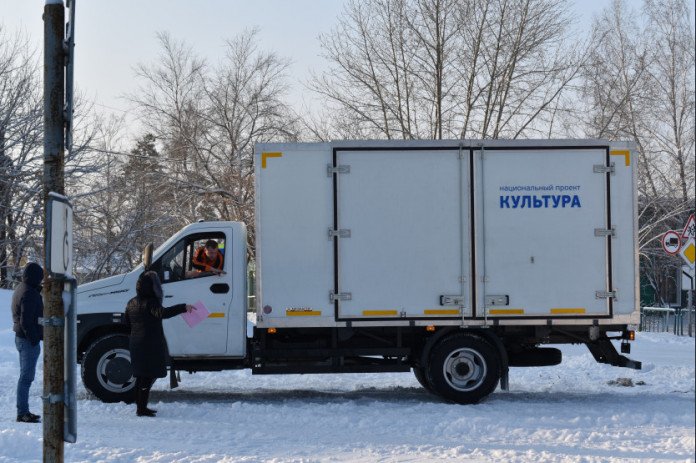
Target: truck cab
<point>221,337</point>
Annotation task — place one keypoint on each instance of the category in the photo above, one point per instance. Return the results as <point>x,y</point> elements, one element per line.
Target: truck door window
<point>207,255</point>
<point>188,258</point>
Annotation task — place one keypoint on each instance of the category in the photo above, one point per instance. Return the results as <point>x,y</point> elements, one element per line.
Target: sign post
<point>59,260</point>
<point>59,355</point>
<point>688,254</point>
<point>688,273</point>
<point>683,244</point>
<point>53,182</point>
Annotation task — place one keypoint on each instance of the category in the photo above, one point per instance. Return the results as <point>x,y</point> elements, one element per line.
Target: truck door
<point>182,283</point>
<point>543,242</point>
<point>402,238</point>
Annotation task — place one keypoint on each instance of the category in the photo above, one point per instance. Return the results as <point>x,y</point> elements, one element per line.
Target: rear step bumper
<point>604,352</point>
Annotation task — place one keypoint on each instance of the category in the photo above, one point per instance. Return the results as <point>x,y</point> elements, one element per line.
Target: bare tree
<point>120,209</point>
<point>448,68</point>
<point>639,85</point>
<point>20,155</point>
<point>208,119</point>
<point>671,74</point>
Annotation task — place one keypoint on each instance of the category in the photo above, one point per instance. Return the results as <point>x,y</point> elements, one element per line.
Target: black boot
<point>146,399</point>
<point>141,394</point>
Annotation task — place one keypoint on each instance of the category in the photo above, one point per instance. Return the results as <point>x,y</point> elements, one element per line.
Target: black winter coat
<point>27,305</point>
<point>144,315</point>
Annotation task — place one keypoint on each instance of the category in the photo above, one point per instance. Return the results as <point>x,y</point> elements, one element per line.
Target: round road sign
<point>671,242</point>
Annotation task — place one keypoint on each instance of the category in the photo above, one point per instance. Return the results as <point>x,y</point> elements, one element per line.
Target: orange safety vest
<point>203,264</point>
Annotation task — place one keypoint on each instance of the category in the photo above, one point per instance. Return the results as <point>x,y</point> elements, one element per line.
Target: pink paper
<point>196,316</point>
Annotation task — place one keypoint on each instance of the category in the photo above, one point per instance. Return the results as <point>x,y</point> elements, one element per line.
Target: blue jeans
<point>28,355</point>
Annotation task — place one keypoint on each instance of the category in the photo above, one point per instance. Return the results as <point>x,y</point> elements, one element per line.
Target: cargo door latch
<point>604,232</point>
<point>333,297</point>
<point>451,300</point>
<point>602,169</point>
<point>330,170</point>
<point>496,300</point>
<point>342,233</point>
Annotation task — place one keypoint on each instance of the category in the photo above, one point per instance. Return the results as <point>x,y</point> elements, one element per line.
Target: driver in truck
<point>207,260</point>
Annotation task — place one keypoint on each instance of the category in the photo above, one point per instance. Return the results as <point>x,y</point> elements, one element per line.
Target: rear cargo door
<point>402,240</point>
<point>543,240</point>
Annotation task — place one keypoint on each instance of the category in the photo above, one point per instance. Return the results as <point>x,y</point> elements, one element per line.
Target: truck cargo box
<point>458,232</point>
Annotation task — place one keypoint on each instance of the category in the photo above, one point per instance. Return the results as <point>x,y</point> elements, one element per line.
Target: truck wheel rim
<point>114,371</point>
<point>464,369</point>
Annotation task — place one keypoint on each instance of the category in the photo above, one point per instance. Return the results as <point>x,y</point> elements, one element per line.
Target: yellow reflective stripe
<point>303,313</point>
<point>216,315</point>
<point>441,312</point>
<point>377,313</point>
<point>265,156</point>
<point>572,310</point>
<point>506,312</point>
<point>625,153</point>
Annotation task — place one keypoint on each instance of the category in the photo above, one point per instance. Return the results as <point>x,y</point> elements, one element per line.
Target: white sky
<point>113,36</point>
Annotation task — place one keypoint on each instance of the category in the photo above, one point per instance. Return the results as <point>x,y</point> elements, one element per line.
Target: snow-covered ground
<point>563,413</point>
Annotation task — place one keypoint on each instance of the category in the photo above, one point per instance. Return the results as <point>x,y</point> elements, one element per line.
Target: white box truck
<point>454,259</point>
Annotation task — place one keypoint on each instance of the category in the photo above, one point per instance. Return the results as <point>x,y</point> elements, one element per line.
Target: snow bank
<point>562,413</point>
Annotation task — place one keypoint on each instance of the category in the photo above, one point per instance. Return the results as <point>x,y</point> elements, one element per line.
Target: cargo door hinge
<point>330,170</point>
<point>333,297</point>
<point>604,232</point>
<point>342,233</point>
<point>605,294</point>
<point>602,169</point>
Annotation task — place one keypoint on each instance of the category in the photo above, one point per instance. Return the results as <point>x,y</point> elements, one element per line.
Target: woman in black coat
<point>148,347</point>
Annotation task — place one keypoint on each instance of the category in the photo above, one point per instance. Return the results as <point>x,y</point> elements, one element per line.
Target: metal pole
<point>691,303</point>
<point>54,146</point>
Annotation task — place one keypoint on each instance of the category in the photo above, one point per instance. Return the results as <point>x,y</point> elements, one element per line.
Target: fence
<point>660,319</point>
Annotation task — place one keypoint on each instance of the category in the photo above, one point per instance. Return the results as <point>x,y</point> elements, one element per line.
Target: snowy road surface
<point>563,413</point>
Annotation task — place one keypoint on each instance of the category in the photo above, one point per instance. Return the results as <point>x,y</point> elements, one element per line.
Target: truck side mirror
<point>147,257</point>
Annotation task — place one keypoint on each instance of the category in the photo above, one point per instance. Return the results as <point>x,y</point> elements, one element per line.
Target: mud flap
<point>173,382</point>
<point>505,380</point>
<point>604,352</point>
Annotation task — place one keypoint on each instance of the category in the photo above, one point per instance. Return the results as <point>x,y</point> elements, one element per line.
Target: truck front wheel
<point>463,368</point>
<point>106,369</point>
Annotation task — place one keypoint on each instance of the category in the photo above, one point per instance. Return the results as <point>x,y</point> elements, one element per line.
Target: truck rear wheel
<point>106,369</point>
<point>463,368</point>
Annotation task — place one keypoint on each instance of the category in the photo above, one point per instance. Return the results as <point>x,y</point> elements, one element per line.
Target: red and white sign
<point>689,229</point>
<point>671,242</point>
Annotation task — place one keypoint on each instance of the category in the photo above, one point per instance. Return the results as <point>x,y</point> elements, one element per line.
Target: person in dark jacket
<point>27,308</point>
<point>147,344</point>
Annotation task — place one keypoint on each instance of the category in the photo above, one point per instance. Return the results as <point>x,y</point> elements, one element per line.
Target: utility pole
<point>53,180</point>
